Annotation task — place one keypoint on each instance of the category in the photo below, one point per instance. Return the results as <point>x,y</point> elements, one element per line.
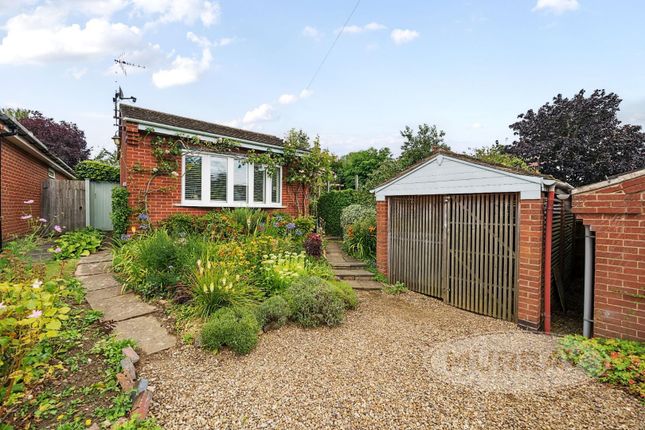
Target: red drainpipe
<point>548,240</point>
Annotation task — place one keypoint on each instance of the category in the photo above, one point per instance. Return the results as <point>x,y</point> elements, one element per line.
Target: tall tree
<point>62,138</point>
<point>579,140</point>
<point>360,164</point>
<point>420,145</point>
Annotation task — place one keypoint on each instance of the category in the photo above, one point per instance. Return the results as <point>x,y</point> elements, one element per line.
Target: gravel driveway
<point>373,372</point>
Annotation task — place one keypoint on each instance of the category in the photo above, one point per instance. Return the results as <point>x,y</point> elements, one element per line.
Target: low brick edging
<point>140,391</point>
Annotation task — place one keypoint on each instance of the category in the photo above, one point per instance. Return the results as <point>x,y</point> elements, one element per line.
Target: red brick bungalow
<point>613,213</point>
<point>205,180</point>
<point>25,163</point>
<point>473,234</point>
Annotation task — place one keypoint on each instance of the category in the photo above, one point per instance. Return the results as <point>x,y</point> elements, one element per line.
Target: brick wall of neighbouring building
<point>22,179</point>
<point>616,213</point>
<point>530,283</point>
<point>136,162</point>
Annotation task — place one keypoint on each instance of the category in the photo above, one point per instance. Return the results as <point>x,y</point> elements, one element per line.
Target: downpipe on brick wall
<point>548,241</point>
<point>587,317</point>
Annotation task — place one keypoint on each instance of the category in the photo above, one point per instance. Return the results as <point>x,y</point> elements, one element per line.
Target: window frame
<point>205,201</point>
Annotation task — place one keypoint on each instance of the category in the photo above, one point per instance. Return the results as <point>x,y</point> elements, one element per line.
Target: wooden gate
<point>63,203</point>
<point>99,208</point>
<point>460,248</point>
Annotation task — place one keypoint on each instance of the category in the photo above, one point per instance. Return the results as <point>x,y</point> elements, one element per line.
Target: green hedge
<point>120,210</point>
<point>330,206</point>
<point>97,171</point>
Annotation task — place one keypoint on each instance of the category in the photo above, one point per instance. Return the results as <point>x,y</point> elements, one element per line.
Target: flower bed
<point>231,273</point>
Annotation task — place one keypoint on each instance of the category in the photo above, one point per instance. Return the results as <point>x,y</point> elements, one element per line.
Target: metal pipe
<point>587,318</point>
<point>548,241</point>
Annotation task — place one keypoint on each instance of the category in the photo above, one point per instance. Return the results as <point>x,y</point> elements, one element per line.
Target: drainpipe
<point>547,259</point>
<point>587,318</point>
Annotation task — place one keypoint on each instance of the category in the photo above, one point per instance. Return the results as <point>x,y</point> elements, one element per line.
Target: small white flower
<point>37,283</point>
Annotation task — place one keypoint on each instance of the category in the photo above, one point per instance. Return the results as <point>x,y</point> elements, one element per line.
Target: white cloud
<point>198,40</point>
<point>184,70</point>
<point>305,93</point>
<point>287,99</point>
<point>400,36</point>
<point>186,11</point>
<point>356,29</point>
<point>264,112</point>
<point>225,41</point>
<point>77,73</point>
<point>556,6</point>
<point>43,36</point>
<point>476,125</point>
<point>311,32</point>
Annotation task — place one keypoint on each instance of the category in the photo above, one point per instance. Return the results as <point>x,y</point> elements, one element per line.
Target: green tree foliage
<point>330,206</point>
<point>496,154</point>
<point>97,171</point>
<point>579,140</point>
<point>121,211</point>
<point>107,157</point>
<point>421,144</point>
<point>361,164</point>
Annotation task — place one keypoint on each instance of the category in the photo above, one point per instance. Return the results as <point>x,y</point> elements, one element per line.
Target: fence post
<point>88,206</point>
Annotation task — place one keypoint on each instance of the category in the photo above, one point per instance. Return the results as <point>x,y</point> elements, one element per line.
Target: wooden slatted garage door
<point>460,248</point>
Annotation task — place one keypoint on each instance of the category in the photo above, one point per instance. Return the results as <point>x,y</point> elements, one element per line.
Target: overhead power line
<point>331,48</point>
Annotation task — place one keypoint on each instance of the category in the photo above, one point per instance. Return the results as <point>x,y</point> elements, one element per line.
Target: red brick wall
<point>617,216</point>
<point>530,286</point>
<point>22,179</point>
<point>165,197</point>
<point>381,237</point>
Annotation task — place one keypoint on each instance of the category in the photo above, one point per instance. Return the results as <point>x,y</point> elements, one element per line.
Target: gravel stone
<point>375,372</point>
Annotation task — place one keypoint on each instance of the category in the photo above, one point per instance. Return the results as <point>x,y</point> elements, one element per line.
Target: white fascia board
<point>209,137</point>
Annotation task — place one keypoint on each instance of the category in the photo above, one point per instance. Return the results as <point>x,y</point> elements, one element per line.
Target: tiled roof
<point>136,113</point>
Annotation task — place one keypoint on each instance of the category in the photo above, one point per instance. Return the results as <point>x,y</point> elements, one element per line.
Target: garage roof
<point>445,172</point>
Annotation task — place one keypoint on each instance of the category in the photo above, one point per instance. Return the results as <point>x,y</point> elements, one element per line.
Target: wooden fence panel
<point>63,203</point>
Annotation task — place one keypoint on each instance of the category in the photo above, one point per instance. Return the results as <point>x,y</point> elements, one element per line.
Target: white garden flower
<point>37,283</point>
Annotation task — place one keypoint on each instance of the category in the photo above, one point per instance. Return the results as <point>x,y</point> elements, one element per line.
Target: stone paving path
<point>132,317</point>
<point>349,269</point>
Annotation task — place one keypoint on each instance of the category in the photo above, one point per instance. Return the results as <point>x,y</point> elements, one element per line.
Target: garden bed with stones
<point>381,370</point>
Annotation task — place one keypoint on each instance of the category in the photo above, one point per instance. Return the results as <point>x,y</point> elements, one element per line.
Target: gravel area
<point>377,371</point>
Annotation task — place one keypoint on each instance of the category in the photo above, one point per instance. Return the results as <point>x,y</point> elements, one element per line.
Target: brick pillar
<point>530,287</point>
<point>381,237</point>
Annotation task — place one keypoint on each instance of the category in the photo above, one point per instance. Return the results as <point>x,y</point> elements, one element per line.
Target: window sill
<point>198,204</point>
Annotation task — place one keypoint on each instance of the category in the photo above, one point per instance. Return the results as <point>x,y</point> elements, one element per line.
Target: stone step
<point>348,265</point>
<point>367,285</point>
<point>358,274</point>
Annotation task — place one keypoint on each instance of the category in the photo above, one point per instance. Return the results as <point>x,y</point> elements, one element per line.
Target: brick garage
<point>517,198</point>
<point>614,211</point>
<point>25,163</point>
<point>137,160</point>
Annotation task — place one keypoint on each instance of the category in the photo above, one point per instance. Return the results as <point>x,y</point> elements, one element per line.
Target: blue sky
<point>467,66</point>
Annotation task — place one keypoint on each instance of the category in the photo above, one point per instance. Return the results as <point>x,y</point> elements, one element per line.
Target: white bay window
<point>213,180</point>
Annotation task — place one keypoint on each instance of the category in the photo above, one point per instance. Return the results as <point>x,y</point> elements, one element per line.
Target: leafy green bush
<point>75,244</point>
<point>280,270</point>
<point>217,284</point>
<point>235,327</point>
<point>97,171</point>
<point>304,225</point>
<point>394,289</point>
<point>273,312</point>
<point>120,210</point>
<point>353,213</point>
<point>345,292</point>
<point>313,303</point>
<point>360,238</point>
<point>184,224</point>
<point>330,206</point>
<point>248,220</point>
<point>615,361</point>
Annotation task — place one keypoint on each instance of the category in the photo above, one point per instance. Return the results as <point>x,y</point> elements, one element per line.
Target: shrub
<point>353,213</point>
<point>217,284</point>
<point>220,226</point>
<point>273,312</point>
<point>120,210</point>
<point>330,206</point>
<point>360,238</point>
<point>313,245</point>
<point>184,224</point>
<point>235,327</point>
<point>250,221</point>
<point>280,270</point>
<point>75,244</point>
<point>615,361</point>
<point>97,171</point>
<point>304,225</point>
<point>313,303</point>
<point>345,292</point>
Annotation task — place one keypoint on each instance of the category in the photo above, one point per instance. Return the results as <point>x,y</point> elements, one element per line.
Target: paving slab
<point>365,284</point>
<point>121,307</point>
<point>98,257</point>
<point>102,294</point>
<point>150,336</point>
<point>98,281</point>
<point>85,269</point>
